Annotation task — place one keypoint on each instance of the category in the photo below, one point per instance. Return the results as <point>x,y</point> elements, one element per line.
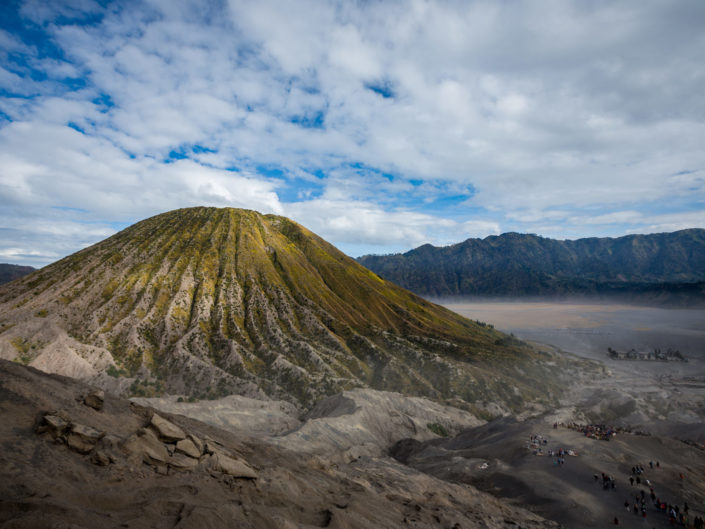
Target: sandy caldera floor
<point>587,329</point>
<point>667,398</point>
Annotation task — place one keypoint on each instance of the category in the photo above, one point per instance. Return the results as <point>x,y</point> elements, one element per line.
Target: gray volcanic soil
<point>341,428</point>
<point>495,458</point>
<point>44,483</point>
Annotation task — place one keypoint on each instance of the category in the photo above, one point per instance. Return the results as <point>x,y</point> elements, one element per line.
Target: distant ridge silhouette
<point>667,266</point>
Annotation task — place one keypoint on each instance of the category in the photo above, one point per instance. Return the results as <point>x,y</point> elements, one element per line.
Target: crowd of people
<point>608,482</point>
<point>594,431</point>
<point>537,443</point>
<point>645,501</point>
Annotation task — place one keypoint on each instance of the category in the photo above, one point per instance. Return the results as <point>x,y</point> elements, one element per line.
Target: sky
<point>380,125</point>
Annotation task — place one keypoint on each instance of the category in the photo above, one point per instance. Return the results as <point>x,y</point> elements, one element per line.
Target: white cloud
<point>667,223</point>
<point>550,128</point>
<point>617,217</point>
<point>14,254</point>
<point>479,229</point>
<point>75,170</point>
<point>364,222</point>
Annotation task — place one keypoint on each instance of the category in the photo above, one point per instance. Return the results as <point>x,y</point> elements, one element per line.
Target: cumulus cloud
<point>379,125</point>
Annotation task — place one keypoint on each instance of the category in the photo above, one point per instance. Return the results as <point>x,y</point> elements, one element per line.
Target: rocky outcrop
<point>55,424</point>
<point>166,430</point>
<point>220,462</point>
<point>145,446</point>
<point>95,399</point>
<point>82,438</point>
<point>189,448</point>
<point>184,462</point>
<point>160,444</point>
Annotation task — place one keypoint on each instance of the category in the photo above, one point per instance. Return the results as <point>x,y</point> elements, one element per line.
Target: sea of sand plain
<point>587,329</point>
<point>665,398</point>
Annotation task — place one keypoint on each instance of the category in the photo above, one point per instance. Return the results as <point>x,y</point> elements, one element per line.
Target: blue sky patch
<point>312,120</point>
<point>69,209</point>
<point>105,101</point>
<point>118,226</point>
<point>27,31</point>
<point>175,155</point>
<point>383,88</point>
<point>200,149</point>
<point>297,189</point>
<point>75,127</point>
<point>270,171</point>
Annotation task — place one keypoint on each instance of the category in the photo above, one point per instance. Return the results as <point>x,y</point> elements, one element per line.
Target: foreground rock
<point>227,465</point>
<point>83,438</point>
<point>187,447</point>
<point>145,446</point>
<point>46,483</point>
<point>160,444</point>
<point>166,430</point>
<point>95,399</point>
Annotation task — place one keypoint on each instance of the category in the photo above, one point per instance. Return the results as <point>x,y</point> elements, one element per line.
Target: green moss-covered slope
<point>214,301</point>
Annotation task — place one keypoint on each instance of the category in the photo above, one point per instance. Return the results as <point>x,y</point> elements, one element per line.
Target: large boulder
<point>100,458</point>
<point>95,399</point>
<point>82,438</point>
<point>107,450</point>
<point>200,445</point>
<point>166,430</point>
<point>187,447</point>
<point>182,462</point>
<point>233,467</point>
<point>55,424</point>
<point>145,446</point>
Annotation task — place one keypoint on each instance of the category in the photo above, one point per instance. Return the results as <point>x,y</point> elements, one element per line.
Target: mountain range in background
<point>10,272</point>
<point>662,267</point>
<point>208,302</point>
